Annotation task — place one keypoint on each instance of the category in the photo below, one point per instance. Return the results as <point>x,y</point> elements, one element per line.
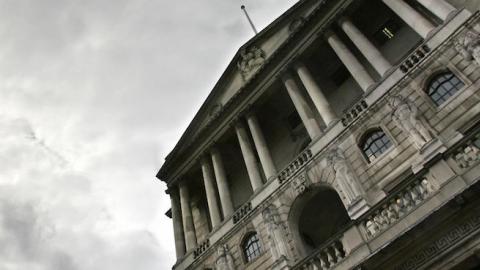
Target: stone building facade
<point>345,135</point>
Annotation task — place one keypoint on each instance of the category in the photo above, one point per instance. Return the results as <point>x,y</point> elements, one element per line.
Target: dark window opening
<point>443,86</point>
<point>340,75</point>
<point>374,144</point>
<point>251,247</point>
<point>293,120</point>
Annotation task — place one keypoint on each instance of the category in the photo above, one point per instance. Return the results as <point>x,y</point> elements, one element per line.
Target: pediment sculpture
<point>250,60</point>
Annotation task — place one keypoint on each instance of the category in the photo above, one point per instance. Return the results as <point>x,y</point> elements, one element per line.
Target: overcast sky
<point>93,95</point>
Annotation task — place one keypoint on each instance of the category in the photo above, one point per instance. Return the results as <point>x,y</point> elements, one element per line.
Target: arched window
<point>374,143</point>
<point>442,86</point>
<point>251,247</point>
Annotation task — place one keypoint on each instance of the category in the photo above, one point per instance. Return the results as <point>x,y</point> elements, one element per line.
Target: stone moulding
<point>242,212</point>
<point>201,248</point>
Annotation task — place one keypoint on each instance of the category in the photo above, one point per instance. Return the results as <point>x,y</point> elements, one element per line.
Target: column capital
<point>329,33</point>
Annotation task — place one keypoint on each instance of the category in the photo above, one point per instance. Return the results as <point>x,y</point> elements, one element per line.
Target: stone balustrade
<point>398,206</point>
<point>201,248</point>
<point>295,165</point>
<point>242,212</point>
<point>326,257</point>
<point>353,112</point>
<point>414,58</point>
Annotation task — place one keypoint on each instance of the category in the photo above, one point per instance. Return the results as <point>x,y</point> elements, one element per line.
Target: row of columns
<point>215,178</point>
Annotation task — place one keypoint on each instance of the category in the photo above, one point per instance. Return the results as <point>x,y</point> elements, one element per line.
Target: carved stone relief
<point>405,116</point>
<point>224,259</point>
<point>277,232</point>
<point>250,60</point>
<point>468,45</point>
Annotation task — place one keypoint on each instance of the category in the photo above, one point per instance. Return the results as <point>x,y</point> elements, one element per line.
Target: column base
<point>358,208</point>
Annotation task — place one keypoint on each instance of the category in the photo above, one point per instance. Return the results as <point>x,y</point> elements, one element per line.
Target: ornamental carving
<point>469,46</point>
<point>224,259</point>
<point>300,184</point>
<point>250,60</point>
<point>296,24</point>
<point>344,176</point>
<point>277,231</point>
<point>405,116</point>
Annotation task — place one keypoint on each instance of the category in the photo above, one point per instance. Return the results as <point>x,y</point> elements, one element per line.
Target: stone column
<point>358,71</point>
<point>440,8</point>
<point>411,17</point>
<point>261,146</point>
<point>188,227</point>
<point>177,223</point>
<point>210,190</point>
<point>249,156</point>
<point>302,107</point>
<point>319,99</point>
<point>222,184</point>
<point>373,55</point>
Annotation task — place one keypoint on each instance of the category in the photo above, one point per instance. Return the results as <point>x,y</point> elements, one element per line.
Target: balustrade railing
<point>414,58</point>
<point>295,165</point>
<point>202,247</point>
<point>353,112</point>
<point>241,212</point>
<point>325,257</point>
<point>398,206</point>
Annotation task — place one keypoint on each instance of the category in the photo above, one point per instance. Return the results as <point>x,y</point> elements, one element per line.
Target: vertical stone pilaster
<point>188,227</point>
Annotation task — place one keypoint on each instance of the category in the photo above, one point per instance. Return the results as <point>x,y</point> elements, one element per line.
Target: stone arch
<point>307,217</point>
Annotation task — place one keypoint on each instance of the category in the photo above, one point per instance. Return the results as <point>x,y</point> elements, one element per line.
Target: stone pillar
<point>261,146</point>
<point>210,190</point>
<point>319,99</point>
<point>249,156</point>
<point>359,73</point>
<point>440,8</point>
<point>222,184</point>
<point>188,227</point>
<point>411,17</point>
<point>302,107</point>
<point>373,55</point>
<point>177,223</point>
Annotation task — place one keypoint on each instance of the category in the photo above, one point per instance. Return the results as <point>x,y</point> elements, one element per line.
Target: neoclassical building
<point>345,135</point>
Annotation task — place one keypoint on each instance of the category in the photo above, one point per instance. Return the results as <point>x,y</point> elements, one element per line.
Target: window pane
<point>444,86</point>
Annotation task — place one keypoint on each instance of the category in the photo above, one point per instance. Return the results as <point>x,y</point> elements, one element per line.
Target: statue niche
<point>469,46</point>
<point>405,116</point>
<point>224,259</point>
<point>277,231</point>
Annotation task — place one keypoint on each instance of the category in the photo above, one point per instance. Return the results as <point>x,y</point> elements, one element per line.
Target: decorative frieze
<point>414,58</point>
<point>201,248</point>
<point>443,243</point>
<point>295,165</point>
<point>399,206</point>
<point>242,212</point>
<point>468,46</point>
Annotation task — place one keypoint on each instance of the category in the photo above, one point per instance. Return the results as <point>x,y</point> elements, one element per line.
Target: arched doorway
<point>317,215</point>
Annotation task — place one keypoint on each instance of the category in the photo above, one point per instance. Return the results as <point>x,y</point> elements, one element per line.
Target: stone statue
<point>469,46</point>
<point>344,176</point>
<point>276,233</point>
<point>224,259</point>
<point>250,60</point>
<point>405,116</point>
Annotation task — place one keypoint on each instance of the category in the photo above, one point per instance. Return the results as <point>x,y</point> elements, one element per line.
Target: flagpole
<point>249,20</point>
